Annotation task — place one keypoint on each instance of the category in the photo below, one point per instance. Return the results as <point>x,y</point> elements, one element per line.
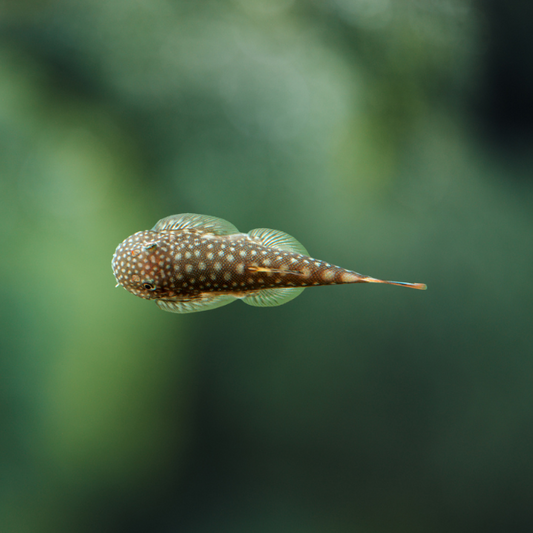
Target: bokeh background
<point>393,137</point>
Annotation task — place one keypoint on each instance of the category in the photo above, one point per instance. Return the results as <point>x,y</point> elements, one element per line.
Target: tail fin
<point>419,286</point>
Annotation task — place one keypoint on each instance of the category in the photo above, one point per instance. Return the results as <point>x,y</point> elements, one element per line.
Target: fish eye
<point>148,286</point>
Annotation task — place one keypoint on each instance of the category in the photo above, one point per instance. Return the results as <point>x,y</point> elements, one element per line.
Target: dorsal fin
<point>193,305</point>
<point>272,297</point>
<point>278,239</point>
<point>205,223</point>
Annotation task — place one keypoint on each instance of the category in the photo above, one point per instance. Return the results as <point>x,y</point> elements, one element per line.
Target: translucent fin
<point>272,297</point>
<point>277,239</point>
<point>202,303</point>
<point>205,223</point>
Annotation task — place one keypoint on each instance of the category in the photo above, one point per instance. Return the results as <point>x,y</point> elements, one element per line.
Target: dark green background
<point>392,137</point>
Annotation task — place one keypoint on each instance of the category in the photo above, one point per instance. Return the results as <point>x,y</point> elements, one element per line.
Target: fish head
<point>141,264</point>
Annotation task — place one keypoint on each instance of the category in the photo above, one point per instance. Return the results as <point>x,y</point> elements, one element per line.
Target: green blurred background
<point>393,137</point>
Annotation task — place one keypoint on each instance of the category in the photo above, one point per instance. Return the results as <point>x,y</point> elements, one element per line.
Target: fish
<point>189,263</point>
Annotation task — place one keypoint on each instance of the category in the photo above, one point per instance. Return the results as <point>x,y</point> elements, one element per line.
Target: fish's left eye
<point>148,286</point>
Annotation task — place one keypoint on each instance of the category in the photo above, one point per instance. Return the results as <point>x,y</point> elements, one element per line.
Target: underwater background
<point>394,138</point>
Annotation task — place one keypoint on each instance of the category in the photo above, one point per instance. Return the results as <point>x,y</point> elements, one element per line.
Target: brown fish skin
<point>173,264</point>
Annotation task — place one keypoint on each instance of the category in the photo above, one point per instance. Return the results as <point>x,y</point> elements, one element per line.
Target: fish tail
<point>368,279</point>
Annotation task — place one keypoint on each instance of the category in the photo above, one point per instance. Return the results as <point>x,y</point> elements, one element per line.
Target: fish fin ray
<point>272,297</point>
<point>193,305</point>
<point>278,239</point>
<point>205,223</point>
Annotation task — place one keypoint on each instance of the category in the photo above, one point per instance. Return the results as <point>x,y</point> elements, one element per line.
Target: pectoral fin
<point>205,223</point>
<point>193,305</point>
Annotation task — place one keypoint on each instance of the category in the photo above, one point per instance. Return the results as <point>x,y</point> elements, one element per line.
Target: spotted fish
<point>189,263</point>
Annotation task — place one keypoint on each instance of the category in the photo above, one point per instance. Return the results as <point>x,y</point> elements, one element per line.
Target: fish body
<point>189,263</point>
